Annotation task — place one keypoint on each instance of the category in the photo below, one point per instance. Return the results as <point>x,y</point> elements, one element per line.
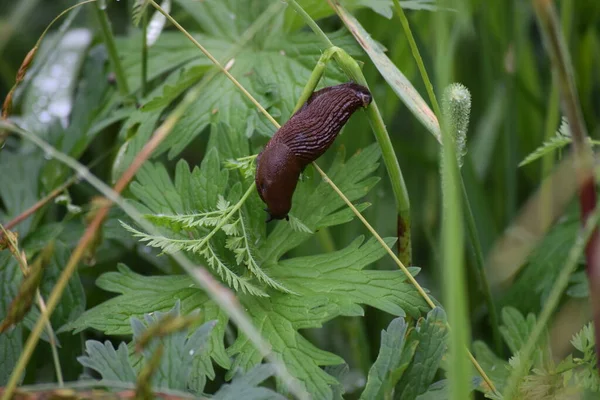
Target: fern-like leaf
<point>250,261</point>
<point>139,8</point>
<point>234,281</point>
<point>560,140</point>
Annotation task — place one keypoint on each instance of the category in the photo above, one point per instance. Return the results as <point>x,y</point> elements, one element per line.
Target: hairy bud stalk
<point>456,108</point>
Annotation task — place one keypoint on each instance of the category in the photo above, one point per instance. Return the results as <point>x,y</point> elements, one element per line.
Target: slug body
<point>303,139</point>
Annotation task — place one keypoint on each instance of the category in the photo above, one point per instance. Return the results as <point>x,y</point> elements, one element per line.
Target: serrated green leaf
<point>516,329</point>
<point>439,390</point>
<point>495,367</point>
<point>246,386</point>
<point>558,141</point>
<point>179,351</point>
<point>110,364</point>
<point>431,333</point>
<point>11,342</point>
<point>342,277</point>
<point>329,285</point>
<point>139,7</point>
<point>19,187</point>
<point>555,143</point>
<point>274,68</point>
<point>388,359</point>
<point>580,287</point>
<point>145,294</point>
<point>318,9</point>
<point>544,264</point>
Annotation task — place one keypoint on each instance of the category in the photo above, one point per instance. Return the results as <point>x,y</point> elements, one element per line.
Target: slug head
<point>363,94</point>
<point>277,173</point>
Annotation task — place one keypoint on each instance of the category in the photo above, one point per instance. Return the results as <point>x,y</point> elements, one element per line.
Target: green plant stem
<point>226,218</point>
<point>550,304</point>
<point>144,53</point>
<point>556,47</point>
<point>418,58</point>
<point>326,240</point>
<point>482,276</point>
<point>552,119</point>
<point>113,54</point>
<point>455,295</point>
<point>52,336</point>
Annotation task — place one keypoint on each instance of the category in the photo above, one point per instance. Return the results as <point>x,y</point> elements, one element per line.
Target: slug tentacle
<point>303,139</point>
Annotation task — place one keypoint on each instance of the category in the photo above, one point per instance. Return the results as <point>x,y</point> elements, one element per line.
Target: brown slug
<point>303,139</point>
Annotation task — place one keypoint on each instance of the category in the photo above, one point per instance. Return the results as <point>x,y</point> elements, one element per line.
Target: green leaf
<point>19,187</point>
<point>178,368</point>
<point>439,390</point>
<point>388,360</point>
<point>110,364</point>
<point>560,140</point>
<point>180,351</point>
<point>145,294</point>
<point>431,333</point>
<point>544,265</point>
<point>342,278</point>
<point>516,329</point>
<point>495,367</point>
<point>11,342</point>
<point>11,346</point>
<point>139,7</point>
<point>330,285</point>
<point>580,287</point>
<point>584,339</point>
<point>273,67</point>
<point>318,9</point>
<point>246,386</point>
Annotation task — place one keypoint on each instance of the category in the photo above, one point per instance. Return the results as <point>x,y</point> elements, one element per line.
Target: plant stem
<point>455,295</point>
<point>550,304</point>
<point>417,57</point>
<point>557,49</point>
<point>113,54</point>
<point>483,280</point>
<point>144,53</point>
<point>226,218</point>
